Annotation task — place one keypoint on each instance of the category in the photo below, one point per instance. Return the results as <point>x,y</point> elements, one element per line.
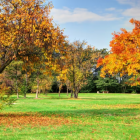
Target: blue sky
<point>94,20</point>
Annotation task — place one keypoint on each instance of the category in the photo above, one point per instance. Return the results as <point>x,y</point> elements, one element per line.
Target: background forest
<point>23,81</point>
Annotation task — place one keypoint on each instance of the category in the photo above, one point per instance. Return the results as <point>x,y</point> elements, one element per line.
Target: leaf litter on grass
<point>18,120</point>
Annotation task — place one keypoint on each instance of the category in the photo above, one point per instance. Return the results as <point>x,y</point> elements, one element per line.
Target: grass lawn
<point>90,117</point>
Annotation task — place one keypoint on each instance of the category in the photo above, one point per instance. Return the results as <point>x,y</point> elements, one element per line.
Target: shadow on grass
<point>98,98</point>
<point>18,114</point>
<point>68,98</point>
<point>45,97</point>
<point>78,113</point>
<point>93,112</point>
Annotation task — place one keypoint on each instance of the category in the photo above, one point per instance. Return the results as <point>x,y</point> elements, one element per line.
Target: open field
<point>90,117</point>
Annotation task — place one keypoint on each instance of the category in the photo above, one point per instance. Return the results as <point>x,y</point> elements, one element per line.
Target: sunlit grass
<point>91,116</point>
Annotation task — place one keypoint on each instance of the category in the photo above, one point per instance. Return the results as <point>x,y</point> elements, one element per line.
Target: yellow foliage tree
<point>80,60</point>
<point>26,31</point>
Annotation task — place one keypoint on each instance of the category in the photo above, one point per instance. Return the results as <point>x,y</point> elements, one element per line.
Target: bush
<point>5,93</point>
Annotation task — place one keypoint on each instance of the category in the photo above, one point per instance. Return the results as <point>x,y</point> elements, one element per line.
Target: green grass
<point>92,116</point>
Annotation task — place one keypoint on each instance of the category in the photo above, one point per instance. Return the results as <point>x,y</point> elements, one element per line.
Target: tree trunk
<point>75,94</point>
<point>25,86</point>
<point>16,84</point>
<point>45,92</point>
<point>5,64</point>
<point>77,91</point>
<point>74,88</point>
<point>71,93</point>
<point>124,88</point>
<point>67,91</point>
<point>26,83</point>
<point>59,91</point>
<point>37,91</point>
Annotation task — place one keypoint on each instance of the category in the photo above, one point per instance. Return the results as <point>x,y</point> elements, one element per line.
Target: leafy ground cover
<point>91,117</point>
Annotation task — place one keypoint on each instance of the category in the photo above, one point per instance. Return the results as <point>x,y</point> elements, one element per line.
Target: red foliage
<point>117,48</point>
<point>138,79</point>
<point>106,56</point>
<point>116,36</point>
<point>99,62</point>
<point>132,50</point>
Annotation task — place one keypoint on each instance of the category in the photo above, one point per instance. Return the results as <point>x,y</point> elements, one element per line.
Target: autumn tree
<point>79,65</point>
<point>125,55</point>
<point>24,83</point>
<point>46,84</point>
<point>68,85</point>
<point>42,80</point>
<point>40,83</point>
<point>26,31</point>
<point>90,87</point>
<point>61,78</point>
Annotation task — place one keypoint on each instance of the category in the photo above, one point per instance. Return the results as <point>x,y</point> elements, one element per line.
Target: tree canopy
<point>27,31</point>
<point>125,55</point>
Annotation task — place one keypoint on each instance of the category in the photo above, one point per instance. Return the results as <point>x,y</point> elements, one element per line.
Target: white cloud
<point>110,9</point>
<point>132,13</point>
<point>134,3</point>
<point>79,15</point>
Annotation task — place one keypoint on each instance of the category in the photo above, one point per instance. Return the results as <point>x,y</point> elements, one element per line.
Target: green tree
<point>107,84</point>
<point>13,73</point>
<point>6,89</point>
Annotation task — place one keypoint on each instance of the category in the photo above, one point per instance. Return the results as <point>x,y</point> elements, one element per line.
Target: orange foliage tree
<point>125,55</point>
<point>26,31</point>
